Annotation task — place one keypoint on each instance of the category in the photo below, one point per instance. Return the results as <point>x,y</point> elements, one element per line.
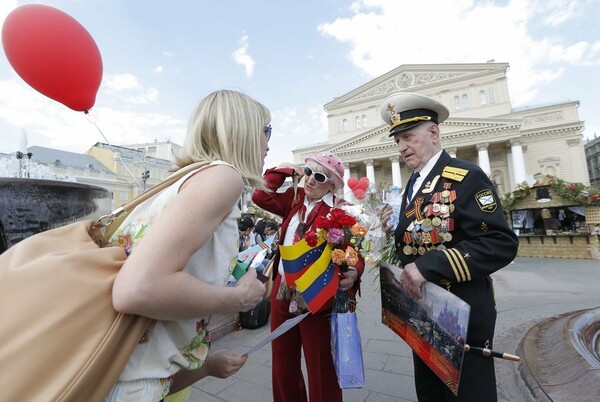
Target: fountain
<point>33,199</point>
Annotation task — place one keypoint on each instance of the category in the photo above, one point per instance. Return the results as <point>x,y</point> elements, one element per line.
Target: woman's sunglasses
<point>319,177</point>
<point>268,132</point>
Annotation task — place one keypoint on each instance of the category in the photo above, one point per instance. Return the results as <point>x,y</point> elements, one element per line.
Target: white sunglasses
<point>319,177</point>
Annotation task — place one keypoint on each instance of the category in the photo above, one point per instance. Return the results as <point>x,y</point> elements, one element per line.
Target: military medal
<point>426,238</point>
<point>447,236</point>
<point>407,249</point>
<point>436,221</point>
<point>444,209</point>
<point>436,208</point>
<point>421,250</point>
<point>451,208</point>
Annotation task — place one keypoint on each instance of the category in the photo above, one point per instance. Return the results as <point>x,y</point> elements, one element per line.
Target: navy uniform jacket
<point>459,238</point>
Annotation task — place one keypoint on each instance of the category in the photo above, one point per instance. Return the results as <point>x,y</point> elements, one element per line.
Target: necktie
<point>409,190</point>
<point>301,225</point>
<point>305,224</point>
<point>410,185</point>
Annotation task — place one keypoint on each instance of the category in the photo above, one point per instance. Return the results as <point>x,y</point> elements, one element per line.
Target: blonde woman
<point>177,272</point>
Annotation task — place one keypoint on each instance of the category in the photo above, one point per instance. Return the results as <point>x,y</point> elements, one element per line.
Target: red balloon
<point>363,183</point>
<point>359,193</point>
<point>352,182</point>
<point>54,54</point>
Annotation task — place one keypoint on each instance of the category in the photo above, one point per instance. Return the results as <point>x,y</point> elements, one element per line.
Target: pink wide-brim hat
<point>332,163</point>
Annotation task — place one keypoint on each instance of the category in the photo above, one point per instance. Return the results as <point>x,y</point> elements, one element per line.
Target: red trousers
<point>312,335</point>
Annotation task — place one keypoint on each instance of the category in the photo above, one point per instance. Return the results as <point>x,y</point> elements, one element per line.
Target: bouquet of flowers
<point>343,232</point>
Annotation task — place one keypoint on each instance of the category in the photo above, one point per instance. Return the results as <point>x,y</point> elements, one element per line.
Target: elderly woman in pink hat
<point>323,175</point>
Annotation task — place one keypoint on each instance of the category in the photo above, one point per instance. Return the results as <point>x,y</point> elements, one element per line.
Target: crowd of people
<point>181,244</point>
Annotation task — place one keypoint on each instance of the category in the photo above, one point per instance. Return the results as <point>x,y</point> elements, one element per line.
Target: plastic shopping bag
<point>347,350</point>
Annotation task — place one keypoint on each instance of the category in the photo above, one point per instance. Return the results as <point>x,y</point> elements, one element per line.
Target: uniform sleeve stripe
<point>452,264</point>
<point>462,264</point>
<point>456,256</point>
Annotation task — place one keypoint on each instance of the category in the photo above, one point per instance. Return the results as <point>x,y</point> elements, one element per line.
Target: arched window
<point>456,103</point>
<point>465,101</point>
<point>345,124</point>
<point>364,120</point>
<point>357,122</point>
<point>550,171</point>
<point>482,97</point>
<point>491,95</point>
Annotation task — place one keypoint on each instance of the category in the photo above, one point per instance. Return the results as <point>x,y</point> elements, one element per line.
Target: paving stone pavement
<point>527,291</point>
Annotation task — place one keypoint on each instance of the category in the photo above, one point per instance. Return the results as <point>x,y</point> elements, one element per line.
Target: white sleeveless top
<point>173,345</point>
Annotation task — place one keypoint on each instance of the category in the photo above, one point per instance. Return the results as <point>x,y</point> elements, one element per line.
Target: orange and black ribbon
<point>416,210</point>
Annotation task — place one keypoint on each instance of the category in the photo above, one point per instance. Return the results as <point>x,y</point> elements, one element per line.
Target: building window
<point>465,101</point>
<point>491,95</point>
<point>482,97</point>
<point>357,122</point>
<point>498,181</point>
<point>456,103</point>
<point>364,119</point>
<point>345,124</point>
<point>339,126</point>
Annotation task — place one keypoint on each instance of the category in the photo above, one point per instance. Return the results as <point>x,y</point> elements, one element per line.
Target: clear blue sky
<point>161,57</point>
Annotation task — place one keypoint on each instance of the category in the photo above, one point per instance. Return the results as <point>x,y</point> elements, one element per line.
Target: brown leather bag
<point>60,337</point>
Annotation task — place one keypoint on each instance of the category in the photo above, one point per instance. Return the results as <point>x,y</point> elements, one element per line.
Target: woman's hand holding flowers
<point>348,278</point>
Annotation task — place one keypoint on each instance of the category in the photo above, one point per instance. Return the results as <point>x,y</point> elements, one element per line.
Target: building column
<point>452,151</point>
<point>518,160</point>
<point>484,158</point>
<point>396,175</point>
<point>370,171</point>
<point>346,177</point>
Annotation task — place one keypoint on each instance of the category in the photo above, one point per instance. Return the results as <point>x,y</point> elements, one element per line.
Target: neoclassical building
<point>510,144</point>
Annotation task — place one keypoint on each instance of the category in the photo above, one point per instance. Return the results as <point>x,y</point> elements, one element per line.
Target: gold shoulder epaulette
<point>454,173</point>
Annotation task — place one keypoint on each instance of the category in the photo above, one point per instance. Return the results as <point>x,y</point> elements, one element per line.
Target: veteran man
<point>451,232</point>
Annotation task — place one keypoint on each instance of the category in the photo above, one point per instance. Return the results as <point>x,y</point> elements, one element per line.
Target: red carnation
<point>347,221</point>
<point>322,222</point>
<point>311,239</point>
<point>336,214</point>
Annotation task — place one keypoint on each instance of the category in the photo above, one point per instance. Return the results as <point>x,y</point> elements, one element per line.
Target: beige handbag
<point>268,273</point>
<point>60,338</point>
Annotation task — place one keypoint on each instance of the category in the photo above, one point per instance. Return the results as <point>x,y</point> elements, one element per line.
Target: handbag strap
<point>106,220</point>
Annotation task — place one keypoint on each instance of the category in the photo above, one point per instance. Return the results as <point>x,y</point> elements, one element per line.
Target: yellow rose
<point>358,230</point>
<point>351,256</point>
<point>337,256</point>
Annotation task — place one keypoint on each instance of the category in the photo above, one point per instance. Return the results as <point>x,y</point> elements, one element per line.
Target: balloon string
<point>117,153</point>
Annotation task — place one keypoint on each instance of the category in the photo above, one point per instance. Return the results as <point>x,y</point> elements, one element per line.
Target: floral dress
<point>172,345</point>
